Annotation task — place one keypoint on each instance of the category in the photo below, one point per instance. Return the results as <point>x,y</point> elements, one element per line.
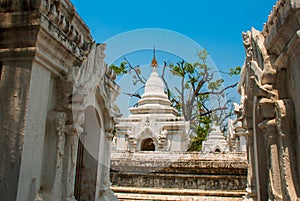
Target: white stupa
<point>153,125</point>
<point>215,141</point>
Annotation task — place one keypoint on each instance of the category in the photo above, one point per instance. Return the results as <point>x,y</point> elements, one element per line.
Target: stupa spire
<point>154,63</point>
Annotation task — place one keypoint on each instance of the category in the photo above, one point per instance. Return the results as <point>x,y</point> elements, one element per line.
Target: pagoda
<point>215,141</point>
<point>154,125</point>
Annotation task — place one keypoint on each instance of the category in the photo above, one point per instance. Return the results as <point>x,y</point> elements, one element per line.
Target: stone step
<point>133,193</point>
<point>135,197</point>
<point>180,181</point>
<point>179,163</point>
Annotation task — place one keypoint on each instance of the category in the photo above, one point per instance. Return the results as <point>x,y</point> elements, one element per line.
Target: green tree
<point>193,98</point>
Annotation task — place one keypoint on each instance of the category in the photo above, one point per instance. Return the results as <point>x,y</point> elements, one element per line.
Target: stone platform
<point>178,176</point>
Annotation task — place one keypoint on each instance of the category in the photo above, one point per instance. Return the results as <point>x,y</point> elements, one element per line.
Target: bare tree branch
<point>133,95</point>
<point>182,90</point>
<point>164,80</point>
<point>178,91</point>
<point>142,80</point>
<point>218,92</point>
<point>213,110</point>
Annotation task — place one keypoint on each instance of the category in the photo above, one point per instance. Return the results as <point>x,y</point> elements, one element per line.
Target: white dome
<point>154,85</point>
<point>154,99</point>
<point>154,91</point>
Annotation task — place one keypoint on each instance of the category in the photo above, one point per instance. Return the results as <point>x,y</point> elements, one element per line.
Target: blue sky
<point>214,25</point>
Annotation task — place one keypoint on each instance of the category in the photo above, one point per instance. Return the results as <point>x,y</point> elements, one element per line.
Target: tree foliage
<point>199,96</point>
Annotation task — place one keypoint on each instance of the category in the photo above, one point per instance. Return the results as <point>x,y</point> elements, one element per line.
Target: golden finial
<point>154,63</point>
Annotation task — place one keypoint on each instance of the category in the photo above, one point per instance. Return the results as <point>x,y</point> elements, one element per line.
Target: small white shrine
<point>153,125</point>
<point>215,141</point>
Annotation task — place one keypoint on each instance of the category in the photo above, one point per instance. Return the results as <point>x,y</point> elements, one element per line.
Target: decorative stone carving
<point>261,80</point>
<point>74,131</point>
<point>246,104</point>
<point>60,120</point>
<point>132,142</point>
<point>163,142</point>
<point>23,5</point>
<point>268,92</point>
<point>94,83</point>
<point>74,40</point>
<point>236,132</point>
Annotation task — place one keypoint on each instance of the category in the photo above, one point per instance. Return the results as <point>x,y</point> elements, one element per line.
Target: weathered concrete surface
<point>207,174</point>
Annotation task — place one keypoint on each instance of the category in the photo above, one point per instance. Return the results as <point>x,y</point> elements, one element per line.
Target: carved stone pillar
<point>105,194</point>
<point>109,138</point>
<point>73,132</point>
<point>268,126</point>
<point>101,165</point>
<point>59,121</point>
<point>273,161</point>
<point>289,177</point>
<point>251,181</point>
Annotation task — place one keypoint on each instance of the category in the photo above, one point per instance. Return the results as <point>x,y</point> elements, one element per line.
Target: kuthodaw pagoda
<point>57,98</point>
<point>154,125</point>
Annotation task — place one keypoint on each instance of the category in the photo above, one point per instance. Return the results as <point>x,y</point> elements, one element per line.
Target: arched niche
<point>87,155</point>
<point>92,130</point>
<point>145,134</point>
<point>217,149</point>
<point>148,145</point>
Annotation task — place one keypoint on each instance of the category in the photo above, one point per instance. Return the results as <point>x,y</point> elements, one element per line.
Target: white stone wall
<point>35,128</point>
<point>42,117</point>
